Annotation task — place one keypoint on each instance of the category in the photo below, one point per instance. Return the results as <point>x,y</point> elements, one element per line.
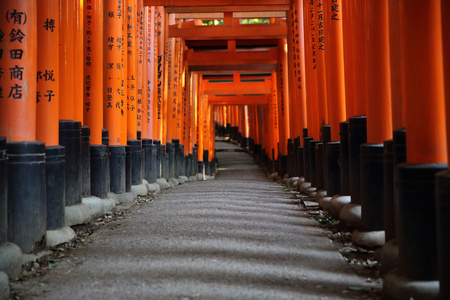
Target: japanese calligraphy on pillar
<point>313,34</point>
<point>131,21</point>
<point>320,26</point>
<point>140,62</point>
<point>150,47</point>
<point>296,47</point>
<point>160,62</point>
<point>113,66</point>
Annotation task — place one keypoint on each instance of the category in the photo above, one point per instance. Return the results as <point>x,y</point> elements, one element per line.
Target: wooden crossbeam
<point>231,58</point>
<point>242,15</point>
<point>234,68</point>
<point>206,3</point>
<point>231,88</point>
<point>255,31</point>
<point>239,99</point>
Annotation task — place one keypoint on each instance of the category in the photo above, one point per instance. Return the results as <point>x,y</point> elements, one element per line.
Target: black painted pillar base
<point>136,172</point>
<point>298,168</point>
<point>27,203</point>
<point>99,159</point>
<point>417,220</point>
<point>190,168</point>
<point>388,205</point>
<point>105,141</point>
<point>128,169</point>
<point>182,159</point>
<point>357,135</point>
<point>344,159</point>
<point>319,149</point>
<point>372,187</point>
<point>206,162</point>
<point>201,167</point>
<point>312,162</point>
<point>70,137</point>
<point>158,158</point>
<point>118,163</point>
<point>147,165</point>
<point>300,160</point>
<point>325,139</point>
<point>194,161</point>
<point>170,152</point>
<point>333,174</point>
<point>86,161</point>
<point>177,161</point>
<point>55,157</point>
<point>443,232</point>
<point>306,158</point>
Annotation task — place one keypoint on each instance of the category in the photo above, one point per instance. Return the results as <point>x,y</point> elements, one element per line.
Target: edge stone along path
<point>237,237</point>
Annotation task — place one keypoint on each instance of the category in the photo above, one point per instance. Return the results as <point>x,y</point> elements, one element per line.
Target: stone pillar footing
<point>351,215</point>
<point>401,288</point>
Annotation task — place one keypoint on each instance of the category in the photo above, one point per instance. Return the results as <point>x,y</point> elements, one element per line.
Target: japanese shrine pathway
<point>239,236</point>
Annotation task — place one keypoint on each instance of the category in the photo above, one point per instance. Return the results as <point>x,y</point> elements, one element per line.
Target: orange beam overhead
<point>194,3</point>
<point>228,88</point>
<point>230,58</point>
<point>234,68</point>
<point>231,8</point>
<point>239,100</point>
<point>223,32</point>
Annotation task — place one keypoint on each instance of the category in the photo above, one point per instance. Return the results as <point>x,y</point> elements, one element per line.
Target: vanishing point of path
<point>239,236</point>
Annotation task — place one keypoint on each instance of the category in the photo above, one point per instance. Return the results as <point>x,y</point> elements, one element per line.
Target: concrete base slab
<point>311,192</point>
<point>173,181</point>
<point>320,194</point>
<point>324,203</point>
<point>126,197</point>
<point>351,214</point>
<point>273,176</point>
<point>370,239</point>
<point>109,205</point>
<point>337,203</point>
<point>294,186</point>
<point>192,179</point>
<point>77,214</point>
<point>292,180</point>
<point>208,177</point>
<point>285,181</point>
<point>95,204</point>
<point>398,287</point>
<point>389,256</point>
<point>59,236</point>
<point>180,180</point>
<point>11,260</point>
<point>199,176</point>
<point>163,184</point>
<point>151,188</point>
<point>185,178</point>
<point>305,185</point>
<point>139,189</point>
<point>4,286</point>
<point>114,197</point>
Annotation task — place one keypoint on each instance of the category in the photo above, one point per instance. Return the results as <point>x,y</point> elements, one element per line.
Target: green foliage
<point>255,21</point>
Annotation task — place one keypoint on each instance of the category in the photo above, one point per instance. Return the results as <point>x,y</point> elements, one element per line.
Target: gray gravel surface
<point>237,237</point>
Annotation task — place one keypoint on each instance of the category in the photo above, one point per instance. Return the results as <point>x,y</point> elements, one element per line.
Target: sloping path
<point>237,237</point>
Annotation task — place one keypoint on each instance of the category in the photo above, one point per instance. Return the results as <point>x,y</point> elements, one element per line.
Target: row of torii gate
<point>350,95</point>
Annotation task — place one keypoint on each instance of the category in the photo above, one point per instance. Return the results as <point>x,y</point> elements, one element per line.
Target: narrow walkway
<point>237,237</point>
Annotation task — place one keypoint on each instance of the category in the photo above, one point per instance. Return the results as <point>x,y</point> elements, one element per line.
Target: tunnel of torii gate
<point>103,99</point>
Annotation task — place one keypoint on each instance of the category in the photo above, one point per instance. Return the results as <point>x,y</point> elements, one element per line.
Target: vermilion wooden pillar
<point>273,113</point>
<point>283,95</point>
<point>347,30</point>
<point>141,74</point>
<point>124,81</point>
<point>321,71</point>
<point>18,63</point>
<point>150,65</point>
<point>359,56</point>
<point>334,60</point>
<point>423,76</point>
<point>112,79</point>
<point>93,70</point>
<point>131,61</point>
<point>379,120</point>
<point>159,80</point>
<point>78,83</point>
<point>311,41</point>
<point>397,101</point>
<point>66,59</point>
<point>47,94</point>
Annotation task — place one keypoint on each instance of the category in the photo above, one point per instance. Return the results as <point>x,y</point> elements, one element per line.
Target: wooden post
<point>283,95</point>
<point>274,117</point>
<point>18,63</point>
<point>348,23</point>
<point>66,60</point>
<point>112,80</point>
<point>159,80</point>
<point>131,61</point>
<point>93,70</point>
<point>124,81</point>
<point>47,95</point>
<point>334,60</point>
<point>151,66</point>
<point>311,43</point>
<point>78,60</point>
<point>359,57</point>
<point>321,72</point>
<point>142,118</point>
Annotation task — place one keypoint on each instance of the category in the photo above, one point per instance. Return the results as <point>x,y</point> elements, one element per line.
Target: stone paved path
<point>237,237</point>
